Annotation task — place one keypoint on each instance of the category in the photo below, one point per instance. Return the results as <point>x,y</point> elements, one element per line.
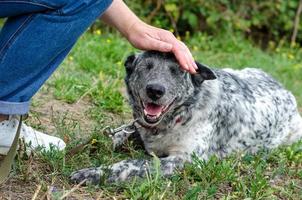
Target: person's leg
<point>33,42</point>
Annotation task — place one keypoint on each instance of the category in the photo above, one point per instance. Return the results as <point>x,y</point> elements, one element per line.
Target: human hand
<point>146,37</point>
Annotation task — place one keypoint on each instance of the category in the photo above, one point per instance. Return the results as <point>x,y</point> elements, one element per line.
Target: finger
<point>183,56</point>
<point>154,44</point>
<point>178,49</point>
<point>188,61</point>
<point>183,53</point>
<point>191,61</point>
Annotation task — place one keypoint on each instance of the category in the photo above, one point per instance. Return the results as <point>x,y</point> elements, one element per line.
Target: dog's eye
<point>149,66</point>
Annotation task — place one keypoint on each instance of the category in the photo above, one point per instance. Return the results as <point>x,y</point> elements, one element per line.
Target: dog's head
<point>157,86</point>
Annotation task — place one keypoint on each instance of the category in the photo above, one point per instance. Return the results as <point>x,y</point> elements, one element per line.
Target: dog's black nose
<point>155,91</point>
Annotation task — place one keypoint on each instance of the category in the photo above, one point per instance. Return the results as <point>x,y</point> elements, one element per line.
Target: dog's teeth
<point>152,117</point>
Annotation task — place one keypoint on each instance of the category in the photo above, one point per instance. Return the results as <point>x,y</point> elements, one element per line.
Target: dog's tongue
<point>153,109</point>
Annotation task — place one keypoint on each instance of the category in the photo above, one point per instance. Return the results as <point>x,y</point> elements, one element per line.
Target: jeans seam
<point>13,36</point>
<point>32,3</point>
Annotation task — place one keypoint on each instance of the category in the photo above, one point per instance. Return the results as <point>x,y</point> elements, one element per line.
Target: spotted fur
<point>214,112</point>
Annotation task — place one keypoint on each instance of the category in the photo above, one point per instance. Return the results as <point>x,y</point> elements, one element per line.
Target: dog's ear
<point>203,73</point>
<point>129,64</point>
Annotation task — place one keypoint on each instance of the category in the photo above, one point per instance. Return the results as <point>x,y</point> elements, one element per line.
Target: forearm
<point>120,17</point>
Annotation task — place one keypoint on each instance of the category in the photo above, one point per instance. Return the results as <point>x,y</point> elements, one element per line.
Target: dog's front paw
<point>119,139</point>
<point>90,175</point>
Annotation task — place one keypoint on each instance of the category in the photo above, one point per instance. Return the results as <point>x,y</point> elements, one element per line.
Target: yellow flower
<point>179,38</point>
<point>108,41</point>
<point>171,30</point>
<point>195,48</point>
<point>119,63</point>
<point>70,58</point>
<point>93,141</point>
<point>98,32</point>
<point>277,50</point>
<point>290,56</point>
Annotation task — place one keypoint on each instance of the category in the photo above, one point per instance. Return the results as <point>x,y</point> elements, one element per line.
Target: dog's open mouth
<point>153,113</point>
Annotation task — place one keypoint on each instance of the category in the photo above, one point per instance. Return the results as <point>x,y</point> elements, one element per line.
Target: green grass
<point>93,73</point>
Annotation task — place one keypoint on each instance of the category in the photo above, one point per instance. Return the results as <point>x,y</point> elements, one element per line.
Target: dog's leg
<point>127,169</point>
<point>120,138</point>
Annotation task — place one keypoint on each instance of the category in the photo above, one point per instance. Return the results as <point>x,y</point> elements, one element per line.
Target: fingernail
<point>191,70</point>
<point>194,65</point>
<point>187,67</point>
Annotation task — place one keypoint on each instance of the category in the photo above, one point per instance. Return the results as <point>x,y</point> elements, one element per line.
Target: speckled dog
<point>214,112</point>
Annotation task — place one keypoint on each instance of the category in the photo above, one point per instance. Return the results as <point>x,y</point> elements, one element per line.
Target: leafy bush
<point>265,20</point>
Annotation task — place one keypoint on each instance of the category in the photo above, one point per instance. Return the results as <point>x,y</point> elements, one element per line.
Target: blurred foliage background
<point>263,21</point>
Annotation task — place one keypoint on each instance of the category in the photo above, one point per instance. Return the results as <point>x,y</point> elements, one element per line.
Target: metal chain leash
<point>126,128</point>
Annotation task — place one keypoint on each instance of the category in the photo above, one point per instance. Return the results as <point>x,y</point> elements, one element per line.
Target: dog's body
<point>215,112</point>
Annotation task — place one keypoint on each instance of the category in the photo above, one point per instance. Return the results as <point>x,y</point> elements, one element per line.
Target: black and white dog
<point>213,112</point>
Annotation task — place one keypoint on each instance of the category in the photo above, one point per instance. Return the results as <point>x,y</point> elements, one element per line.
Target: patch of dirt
<point>16,189</point>
<point>45,109</point>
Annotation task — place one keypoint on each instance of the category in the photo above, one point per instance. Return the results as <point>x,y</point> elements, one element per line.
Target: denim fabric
<point>35,39</point>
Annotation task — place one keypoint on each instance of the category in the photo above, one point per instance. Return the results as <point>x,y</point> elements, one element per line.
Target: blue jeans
<point>36,37</point>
